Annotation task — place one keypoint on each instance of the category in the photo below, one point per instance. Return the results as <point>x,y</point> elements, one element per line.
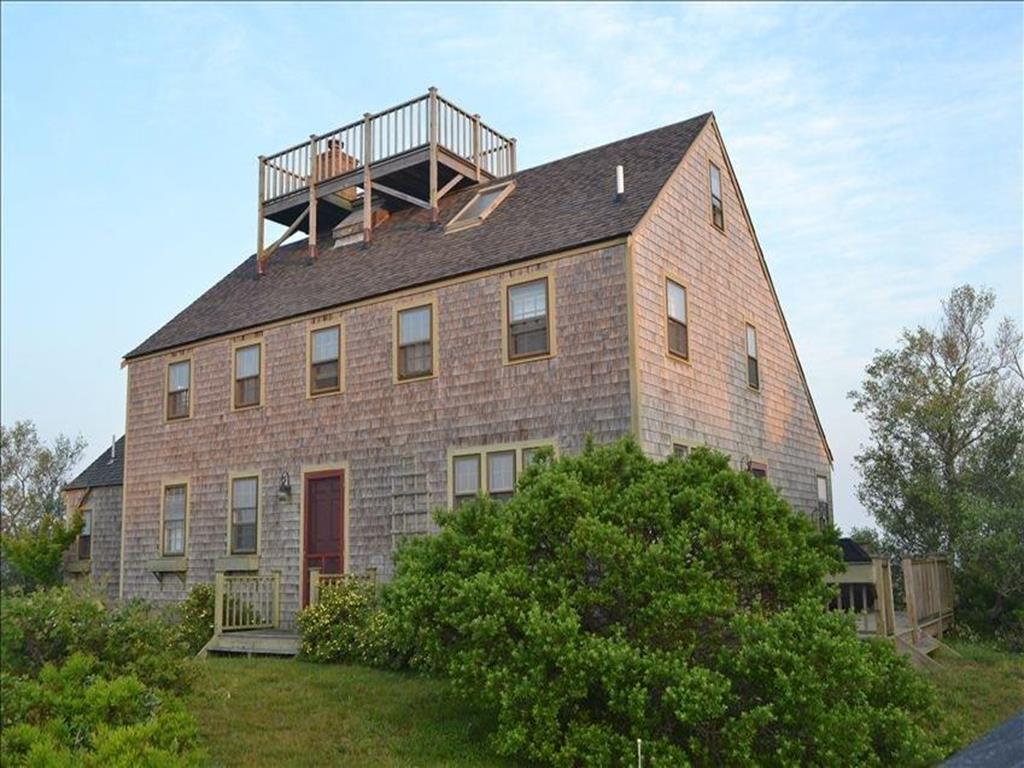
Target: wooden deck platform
<point>262,642</point>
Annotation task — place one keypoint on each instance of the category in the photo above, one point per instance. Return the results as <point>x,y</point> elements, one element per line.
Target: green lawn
<point>979,690</point>
<point>273,712</point>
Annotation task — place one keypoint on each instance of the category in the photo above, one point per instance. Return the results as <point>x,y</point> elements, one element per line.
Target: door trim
<point>323,470</point>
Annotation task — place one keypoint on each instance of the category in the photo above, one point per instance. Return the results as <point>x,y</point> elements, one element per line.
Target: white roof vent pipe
<point>620,182</point>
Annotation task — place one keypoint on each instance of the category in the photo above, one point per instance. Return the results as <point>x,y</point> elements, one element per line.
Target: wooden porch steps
<point>265,642</point>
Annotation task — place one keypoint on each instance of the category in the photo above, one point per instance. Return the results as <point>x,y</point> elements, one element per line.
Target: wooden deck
<point>413,153</point>
<point>263,642</point>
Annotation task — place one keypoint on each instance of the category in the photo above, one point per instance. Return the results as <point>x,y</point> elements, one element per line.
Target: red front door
<point>324,511</point>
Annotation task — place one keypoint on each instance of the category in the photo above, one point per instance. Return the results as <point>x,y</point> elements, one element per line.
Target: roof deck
<point>415,152</point>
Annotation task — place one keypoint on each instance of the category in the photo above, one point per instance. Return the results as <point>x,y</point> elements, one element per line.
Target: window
<point>675,302</point>
<point>823,506</point>
<point>244,515</point>
<point>717,214</point>
<point>415,342</point>
<point>757,469</point>
<point>501,475</point>
<point>247,375</point>
<point>325,360</point>
<point>493,470</point>
<point>173,533</point>
<point>680,450</point>
<point>466,473</point>
<point>528,320</point>
<point>179,377</point>
<point>480,207</point>
<point>85,537</point>
<point>753,374</point>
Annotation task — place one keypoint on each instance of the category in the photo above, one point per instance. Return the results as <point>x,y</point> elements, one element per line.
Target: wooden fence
<point>928,583</point>
<point>248,601</point>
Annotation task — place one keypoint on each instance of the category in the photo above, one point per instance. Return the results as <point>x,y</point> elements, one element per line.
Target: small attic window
<point>480,207</point>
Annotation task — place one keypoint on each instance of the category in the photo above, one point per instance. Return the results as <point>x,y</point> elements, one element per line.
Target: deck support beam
<point>403,196</point>
<point>277,243</point>
<point>449,186</point>
<point>312,196</point>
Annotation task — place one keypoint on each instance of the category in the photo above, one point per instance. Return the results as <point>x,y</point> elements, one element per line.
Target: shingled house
<point>447,315</point>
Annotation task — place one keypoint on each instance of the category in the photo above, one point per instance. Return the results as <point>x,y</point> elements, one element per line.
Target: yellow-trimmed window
<point>717,211</point>
<point>248,369</point>
<point>325,360</point>
<point>173,534</point>
<point>753,371</point>
<point>528,326</point>
<point>179,385</point>
<point>676,326</point>
<point>244,515</point>
<point>416,342</point>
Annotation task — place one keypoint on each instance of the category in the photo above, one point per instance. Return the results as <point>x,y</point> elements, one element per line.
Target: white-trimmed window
<point>528,327</point>
<point>466,478</point>
<point>248,366</point>
<point>677,331</point>
<point>480,207</point>
<point>325,360</point>
<point>753,373</point>
<point>717,212</point>
<point>824,507</point>
<point>415,342</point>
<point>172,536</point>
<point>85,537</point>
<point>244,514</point>
<point>179,381</point>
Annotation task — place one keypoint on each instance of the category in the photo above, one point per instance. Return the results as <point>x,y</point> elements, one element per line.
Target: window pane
<point>467,475</point>
<point>480,203</point>
<point>243,493</point>
<point>174,537</point>
<point>415,360</point>
<point>247,391</point>
<point>179,376</point>
<point>680,450</point>
<point>86,523</point>
<point>243,538</point>
<point>751,341</point>
<point>414,325</point>
<point>528,300</point>
<point>325,344</point>
<point>247,362</point>
<point>676,302</point>
<point>529,337</point>
<point>823,489</point>
<point>84,547</point>
<point>753,375</point>
<point>177,404</point>
<point>174,502</point>
<point>716,182</point>
<point>678,338</point>
<point>501,472</point>
<point>325,376</point>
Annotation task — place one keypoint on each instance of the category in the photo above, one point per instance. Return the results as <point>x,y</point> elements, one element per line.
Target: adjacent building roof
<point>854,552</point>
<point>554,207</point>
<point>106,470</point>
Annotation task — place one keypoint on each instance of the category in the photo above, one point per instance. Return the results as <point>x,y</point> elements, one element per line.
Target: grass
<point>981,689</point>
<point>264,711</point>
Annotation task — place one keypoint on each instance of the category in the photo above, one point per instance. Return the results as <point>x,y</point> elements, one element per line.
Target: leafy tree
<point>33,475</point>
<point>946,458</point>
<point>616,598</point>
<point>36,557</point>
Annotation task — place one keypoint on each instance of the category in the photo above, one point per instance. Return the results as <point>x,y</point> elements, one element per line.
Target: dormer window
<point>480,207</point>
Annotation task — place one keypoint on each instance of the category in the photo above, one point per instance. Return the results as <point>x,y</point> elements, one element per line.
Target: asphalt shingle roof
<point>103,471</point>
<point>554,207</point>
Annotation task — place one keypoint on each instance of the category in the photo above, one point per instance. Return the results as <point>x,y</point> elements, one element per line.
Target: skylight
<point>480,207</point>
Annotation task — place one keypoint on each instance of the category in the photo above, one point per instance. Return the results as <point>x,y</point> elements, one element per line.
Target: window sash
<point>247,391</point>
<point>85,546</point>
<point>178,375</point>
<point>174,537</point>
<point>501,473</point>
<point>680,450</point>
<point>173,534</point>
<point>326,345</point>
<point>676,301</point>
<point>717,213</point>
<point>244,515</point>
<point>528,338</point>
<point>414,325</point>
<point>751,341</point>
<point>753,374</point>
<point>247,361</point>
<point>678,339</point>
<point>528,300</point>
<point>466,475</point>
<point>177,404</point>
<point>822,490</point>
<point>415,360</point>
<point>325,377</point>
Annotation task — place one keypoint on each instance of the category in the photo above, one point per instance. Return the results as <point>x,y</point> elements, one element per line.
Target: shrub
<point>36,557</point>
<point>336,628</point>
<point>71,715</point>
<point>48,626</point>
<point>195,618</point>
<point>683,603</point>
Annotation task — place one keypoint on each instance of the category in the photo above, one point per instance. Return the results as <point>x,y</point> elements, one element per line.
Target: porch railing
<point>428,120</point>
<point>249,601</point>
<point>928,583</point>
<point>864,584</point>
<point>319,581</point>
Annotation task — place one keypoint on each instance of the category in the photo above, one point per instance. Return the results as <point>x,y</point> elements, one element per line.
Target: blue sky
<point>879,148</point>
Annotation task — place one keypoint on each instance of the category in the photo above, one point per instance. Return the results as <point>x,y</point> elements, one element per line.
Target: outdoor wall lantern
<point>284,487</point>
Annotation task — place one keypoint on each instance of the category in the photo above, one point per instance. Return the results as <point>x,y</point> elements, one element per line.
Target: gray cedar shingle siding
<point>554,207</point>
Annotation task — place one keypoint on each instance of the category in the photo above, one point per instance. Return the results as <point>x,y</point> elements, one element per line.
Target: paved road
<point>999,748</point>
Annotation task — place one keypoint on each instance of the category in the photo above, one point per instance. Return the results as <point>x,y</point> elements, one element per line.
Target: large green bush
<point>195,618</point>
<point>615,598</point>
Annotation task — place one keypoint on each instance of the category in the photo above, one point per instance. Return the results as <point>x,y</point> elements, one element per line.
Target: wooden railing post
<point>367,177</point>
<point>911,598</point>
<point>512,155</point>
<point>259,217</point>
<point>476,145</point>
<point>277,599</point>
<point>314,585</point>
<point>218,603</point>
<point>313,174</point>
<point>432,112</point>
